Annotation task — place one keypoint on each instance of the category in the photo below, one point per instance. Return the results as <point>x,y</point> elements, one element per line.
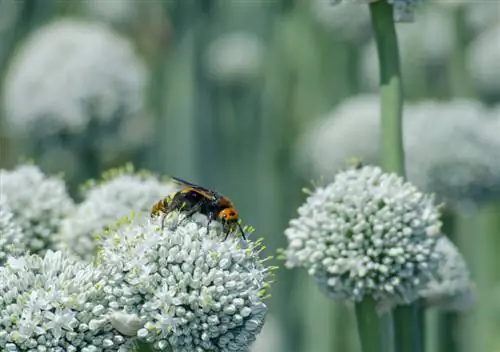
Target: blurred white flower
<point>483,61</point>
<point>119,194</point>
<point>113,11</point>
<point>451,288</point>
<point>451,147</point>
<point>54,303</point>
<point>71,72</point>
<point>347,20</point>
<point>192,290</point>
<point>11,237</point>
<point>482,15</point>
<point>38,202</point>
<point>419,45</point>
<point>367,233</point>
<point>235,57</point>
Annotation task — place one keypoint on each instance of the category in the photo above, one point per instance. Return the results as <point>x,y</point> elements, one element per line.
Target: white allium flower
<point>403,9</point>
<point>350,130</point>
<point>54,303</point>
<point>451,288</point>
<point>235,57</point>
<point>39,204</point>
<point>121,193</point>
<point>194,291</point>
<point>419,45</point>
<point>483,61</point>
<point>451,147</point>
<point>367,233</point>
<point>11,237</point>
<point>452,150</point>
<point>347,20</point>
<point>72,71</point>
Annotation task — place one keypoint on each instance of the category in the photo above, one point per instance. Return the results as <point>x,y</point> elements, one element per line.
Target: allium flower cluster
<point>483,62</point>
<point>38,202</point>
<point>235,57</point>
<point>119,194</point>
<point>54,303</point>
<point>367,233</point>
<point>451,287</point>
<point>11,237</point>
<point>72,71</point>
<point>192,291</point>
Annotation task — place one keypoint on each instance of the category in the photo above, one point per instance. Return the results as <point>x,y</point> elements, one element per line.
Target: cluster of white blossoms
<point>11,237</point>
<point>119,194</point>
<point>450,146</point>
<point>39,203</point>
<point>72,72</point>
<point>451,287</point>
<point>235,57</point>
<point>54,303</point>
<point>403,9</point>
<point>368,233</point>
<point>188,290</point>
<point>483,61</point>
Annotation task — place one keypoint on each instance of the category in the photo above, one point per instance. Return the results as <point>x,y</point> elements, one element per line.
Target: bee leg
<point>225,230</point>
<point>208,223</point>
<point>242,233</point>
<point>191,212</point>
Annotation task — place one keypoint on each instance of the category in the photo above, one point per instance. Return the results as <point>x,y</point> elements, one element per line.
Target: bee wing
<point>202,190</point>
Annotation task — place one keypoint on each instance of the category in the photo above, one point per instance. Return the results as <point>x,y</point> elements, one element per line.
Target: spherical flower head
<point>11,236</point>
<point>451,287</point>
<point>194,291</point>
<point>368,233</point>
<point>54,303</point>
<point>347,20</point>
<point>483,62</point>
<point>39,204</point>
<point>235,57</point>
<point>120,193</point>
<point>350,130</point>
<point>452,150</point>
<point>72,71</point>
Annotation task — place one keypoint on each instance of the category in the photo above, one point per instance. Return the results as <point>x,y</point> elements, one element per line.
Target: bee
<point>197,199</point>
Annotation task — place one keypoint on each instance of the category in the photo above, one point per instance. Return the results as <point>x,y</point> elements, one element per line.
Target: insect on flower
<point>196,199</point>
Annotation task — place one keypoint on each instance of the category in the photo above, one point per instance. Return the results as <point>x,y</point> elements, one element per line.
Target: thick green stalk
<point>369,326</point>
<point>408,320</point>
<point>391,92</point>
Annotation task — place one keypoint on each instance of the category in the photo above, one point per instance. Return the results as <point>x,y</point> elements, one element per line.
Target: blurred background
<point>259,99</point>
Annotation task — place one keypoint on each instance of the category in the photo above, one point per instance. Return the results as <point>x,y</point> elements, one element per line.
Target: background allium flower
<point>347,20</point>
<point>452,150</point>
<point>420,46</point>
<point>119,194</point>
<point>71,72</point>
<point>483,61</point>
<point>451,287</point>
<point>194,291</point>
<point>56,303</point>
<point>451,147</point>
<point>235,57</point>
<point>11,237</point>
<point>350,130</point>
<point>367,233</point>
<point>39,204</point>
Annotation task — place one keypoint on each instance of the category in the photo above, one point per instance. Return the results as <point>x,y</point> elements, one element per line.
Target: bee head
<point>228,215</point>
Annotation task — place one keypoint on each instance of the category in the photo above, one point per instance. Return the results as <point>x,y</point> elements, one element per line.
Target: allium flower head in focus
<point>72,72</point>
<point>11,237</point>
<point>54,303</point>
<point>38,202</point>
<point>193,291</point>
<point>367,233</point>
<point>120,193</point>
<point>451,288</point>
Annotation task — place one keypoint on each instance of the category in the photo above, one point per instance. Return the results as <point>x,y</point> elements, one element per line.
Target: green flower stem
<point>143,347</point>
<point>409,328</point>
<point>369,326</point>
<point>391,93</point>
